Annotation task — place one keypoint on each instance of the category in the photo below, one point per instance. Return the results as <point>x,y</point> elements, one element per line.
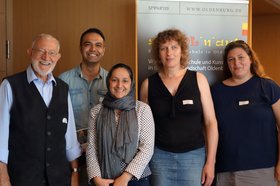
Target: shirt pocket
<point>77,98</point>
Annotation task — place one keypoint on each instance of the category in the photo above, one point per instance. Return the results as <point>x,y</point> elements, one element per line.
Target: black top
<point>178,118</point>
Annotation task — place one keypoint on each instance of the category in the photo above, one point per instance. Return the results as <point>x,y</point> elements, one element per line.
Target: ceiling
<point>266,7</point>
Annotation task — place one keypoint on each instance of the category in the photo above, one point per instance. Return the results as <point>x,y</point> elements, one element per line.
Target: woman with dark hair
<point>247,105</point>
<point>183,110</point>
<point>120,134</point>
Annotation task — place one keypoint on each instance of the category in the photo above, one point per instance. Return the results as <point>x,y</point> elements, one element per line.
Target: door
<point>6,38</point>
<point>3,62</point>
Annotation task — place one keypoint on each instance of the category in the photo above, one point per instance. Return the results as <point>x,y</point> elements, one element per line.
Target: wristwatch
<point>75,169</point>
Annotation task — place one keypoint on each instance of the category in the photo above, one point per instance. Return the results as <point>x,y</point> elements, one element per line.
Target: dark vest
<point>37,146</point>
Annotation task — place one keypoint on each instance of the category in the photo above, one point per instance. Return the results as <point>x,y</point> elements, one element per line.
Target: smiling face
<point>120,83</point>
<point>92,48</point>
<point>239,63</point>
<point>44,55</point>
<point>170,53</point>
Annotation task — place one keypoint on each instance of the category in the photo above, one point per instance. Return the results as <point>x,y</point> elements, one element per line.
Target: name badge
<point>188,102</point>
<point>241,103</point>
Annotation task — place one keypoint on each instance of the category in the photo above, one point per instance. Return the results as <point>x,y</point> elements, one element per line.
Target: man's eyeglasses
<point>42,52</point>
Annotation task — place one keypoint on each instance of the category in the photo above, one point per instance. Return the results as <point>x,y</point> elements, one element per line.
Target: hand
<point>277,172</point>
<point>5,182</point>
<point>102,182</point>
<point>4,176</point>
<point>207,174</point>
<point>123,179</point>
<point>75,179</point>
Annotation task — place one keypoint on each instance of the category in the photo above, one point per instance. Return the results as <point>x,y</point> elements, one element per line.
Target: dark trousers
<point>141,182</point>
<point>83,177</point>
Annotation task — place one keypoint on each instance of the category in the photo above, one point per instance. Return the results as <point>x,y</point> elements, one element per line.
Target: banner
<point>209,25</point>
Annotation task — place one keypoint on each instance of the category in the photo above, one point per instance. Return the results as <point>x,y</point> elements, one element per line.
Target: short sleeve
<point>271,90</point>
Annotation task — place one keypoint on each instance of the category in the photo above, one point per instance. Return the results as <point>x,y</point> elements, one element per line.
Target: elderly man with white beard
<point>38,141</point>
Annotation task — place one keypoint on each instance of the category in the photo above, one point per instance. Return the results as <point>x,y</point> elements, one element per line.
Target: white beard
<point>35,65</point>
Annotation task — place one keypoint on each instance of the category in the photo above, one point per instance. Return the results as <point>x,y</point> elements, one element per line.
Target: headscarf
<point>116,143</point>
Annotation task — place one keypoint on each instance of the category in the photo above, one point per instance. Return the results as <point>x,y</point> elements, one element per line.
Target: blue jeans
<point>177,169</point>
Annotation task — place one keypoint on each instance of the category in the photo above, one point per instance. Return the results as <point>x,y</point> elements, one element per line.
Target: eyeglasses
<point>42,52</point>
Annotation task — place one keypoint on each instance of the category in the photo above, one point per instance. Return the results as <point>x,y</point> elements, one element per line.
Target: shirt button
<point>48,149</point>
<point>49,117</point>
<point>47,164</point>
<point>49,133</point>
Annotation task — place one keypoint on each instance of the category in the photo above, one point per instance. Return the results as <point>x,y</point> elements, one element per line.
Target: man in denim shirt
<point>87,85</point>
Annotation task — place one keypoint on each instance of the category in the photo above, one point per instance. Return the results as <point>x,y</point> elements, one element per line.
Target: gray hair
<point>45,36</point>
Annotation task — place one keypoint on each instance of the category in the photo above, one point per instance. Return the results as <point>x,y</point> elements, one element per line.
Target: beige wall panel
<point>2,7</point>
<point>67,19</point>
<point>266,39</point>
<point>249,40</point>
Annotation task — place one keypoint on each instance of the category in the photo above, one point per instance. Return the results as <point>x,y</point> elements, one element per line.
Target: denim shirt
<point>84,95</point>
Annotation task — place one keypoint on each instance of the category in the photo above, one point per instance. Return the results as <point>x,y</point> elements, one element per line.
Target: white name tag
<point>188,102</point>
<point>240,103</point>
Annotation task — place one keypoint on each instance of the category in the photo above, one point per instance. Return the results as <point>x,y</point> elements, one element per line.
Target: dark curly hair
<point>168,35</point>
